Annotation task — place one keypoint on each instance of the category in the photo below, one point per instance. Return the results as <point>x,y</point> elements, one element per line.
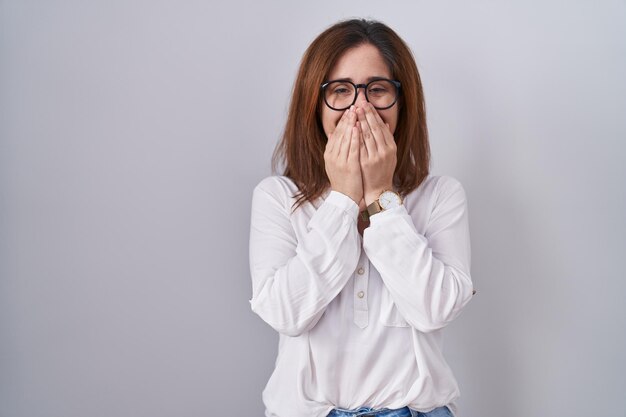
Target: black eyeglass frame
<point>356,92</point>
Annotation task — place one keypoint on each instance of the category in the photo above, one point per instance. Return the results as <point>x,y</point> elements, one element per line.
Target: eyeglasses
<point>341,94</point>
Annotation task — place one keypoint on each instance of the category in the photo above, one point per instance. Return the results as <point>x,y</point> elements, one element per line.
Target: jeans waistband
<point>370,412</point>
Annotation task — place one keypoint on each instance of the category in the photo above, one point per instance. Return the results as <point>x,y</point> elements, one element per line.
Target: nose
<point>360,97</point>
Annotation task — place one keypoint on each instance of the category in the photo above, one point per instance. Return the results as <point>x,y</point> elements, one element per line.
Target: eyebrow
<point>378,77</point>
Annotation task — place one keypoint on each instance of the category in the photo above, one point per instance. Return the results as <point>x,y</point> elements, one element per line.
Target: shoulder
<point>447,184</point>
<point>434,191</point>
<point>276,187</point>
<point>449,194</point>
<point>276,184</point>
<point>434,185</point>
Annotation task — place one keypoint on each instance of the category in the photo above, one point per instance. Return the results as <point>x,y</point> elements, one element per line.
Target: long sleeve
<point>427,276</point>
<point>294,277</point>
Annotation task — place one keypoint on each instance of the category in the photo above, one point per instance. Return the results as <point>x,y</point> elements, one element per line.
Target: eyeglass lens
<point>340,95</point>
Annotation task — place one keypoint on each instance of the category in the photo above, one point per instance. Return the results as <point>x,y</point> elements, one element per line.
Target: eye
<point>378,89</point>
<point>342,89</point>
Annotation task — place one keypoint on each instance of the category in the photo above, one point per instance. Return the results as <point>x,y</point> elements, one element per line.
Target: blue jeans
<point>385,412</point>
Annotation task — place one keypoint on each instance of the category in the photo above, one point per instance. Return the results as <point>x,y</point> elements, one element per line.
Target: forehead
<point>359,64</point>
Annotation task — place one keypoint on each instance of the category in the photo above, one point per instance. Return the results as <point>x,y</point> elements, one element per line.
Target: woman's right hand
<point>341,157</point>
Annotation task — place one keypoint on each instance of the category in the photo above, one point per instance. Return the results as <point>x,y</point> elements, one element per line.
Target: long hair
<point>301,148</point>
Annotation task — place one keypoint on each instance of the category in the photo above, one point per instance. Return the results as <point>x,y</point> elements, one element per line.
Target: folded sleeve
<point>294,278</point>
<point>427,275</point>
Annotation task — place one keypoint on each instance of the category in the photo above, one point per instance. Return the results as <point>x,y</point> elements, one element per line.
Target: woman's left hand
<point>377,156</point>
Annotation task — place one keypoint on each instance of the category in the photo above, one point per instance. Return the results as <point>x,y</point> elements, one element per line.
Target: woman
<point>359,257</point>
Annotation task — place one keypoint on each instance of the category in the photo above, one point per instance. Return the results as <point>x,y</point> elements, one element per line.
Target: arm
<point>294,280</point>
<point>428,276</point>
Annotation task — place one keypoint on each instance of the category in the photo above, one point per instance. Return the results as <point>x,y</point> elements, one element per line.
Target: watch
<point>388,199</point>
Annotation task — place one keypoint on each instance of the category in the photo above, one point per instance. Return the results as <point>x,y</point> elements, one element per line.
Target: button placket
<point>361,283</point>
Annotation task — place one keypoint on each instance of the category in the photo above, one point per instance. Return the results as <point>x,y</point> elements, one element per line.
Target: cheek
<point>330,119</point>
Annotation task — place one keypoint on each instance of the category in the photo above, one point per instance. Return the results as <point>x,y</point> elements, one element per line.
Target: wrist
<point>373,195</point>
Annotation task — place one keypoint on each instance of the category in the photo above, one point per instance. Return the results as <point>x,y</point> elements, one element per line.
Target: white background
<point>133,132</point>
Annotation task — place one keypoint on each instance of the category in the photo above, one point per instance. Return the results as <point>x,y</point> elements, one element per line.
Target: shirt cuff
<point>384,215</point>
<point>343,202</point>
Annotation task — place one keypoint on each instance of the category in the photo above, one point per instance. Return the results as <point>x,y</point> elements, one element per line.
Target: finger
<point>363,148</point>
<point>390,138</point>
<point>347,132</point>
<point>387,135</point>
<point>353,156</point>
<point>344,149</point>
<point>376,124</point>
<point>368,136</point>
<point>333,140</point>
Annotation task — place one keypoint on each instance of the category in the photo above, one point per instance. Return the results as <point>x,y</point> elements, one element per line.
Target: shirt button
<point>360,294</point>
<point>361,271</point>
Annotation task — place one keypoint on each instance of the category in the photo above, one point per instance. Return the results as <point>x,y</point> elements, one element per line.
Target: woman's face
<point>359,65</point>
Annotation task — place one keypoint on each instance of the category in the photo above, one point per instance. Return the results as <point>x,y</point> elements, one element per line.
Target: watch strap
<point>374,208</point>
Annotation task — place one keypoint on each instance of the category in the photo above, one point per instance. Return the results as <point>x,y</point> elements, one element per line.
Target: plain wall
<point>133,132</point>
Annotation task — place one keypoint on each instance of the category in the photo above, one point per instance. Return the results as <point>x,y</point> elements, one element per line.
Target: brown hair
<point>301,148</point>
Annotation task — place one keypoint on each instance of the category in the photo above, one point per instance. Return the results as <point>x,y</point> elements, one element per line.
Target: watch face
<point>389,199</point>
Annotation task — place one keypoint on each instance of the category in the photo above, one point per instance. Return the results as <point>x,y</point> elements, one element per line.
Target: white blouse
<point>359,318</point>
